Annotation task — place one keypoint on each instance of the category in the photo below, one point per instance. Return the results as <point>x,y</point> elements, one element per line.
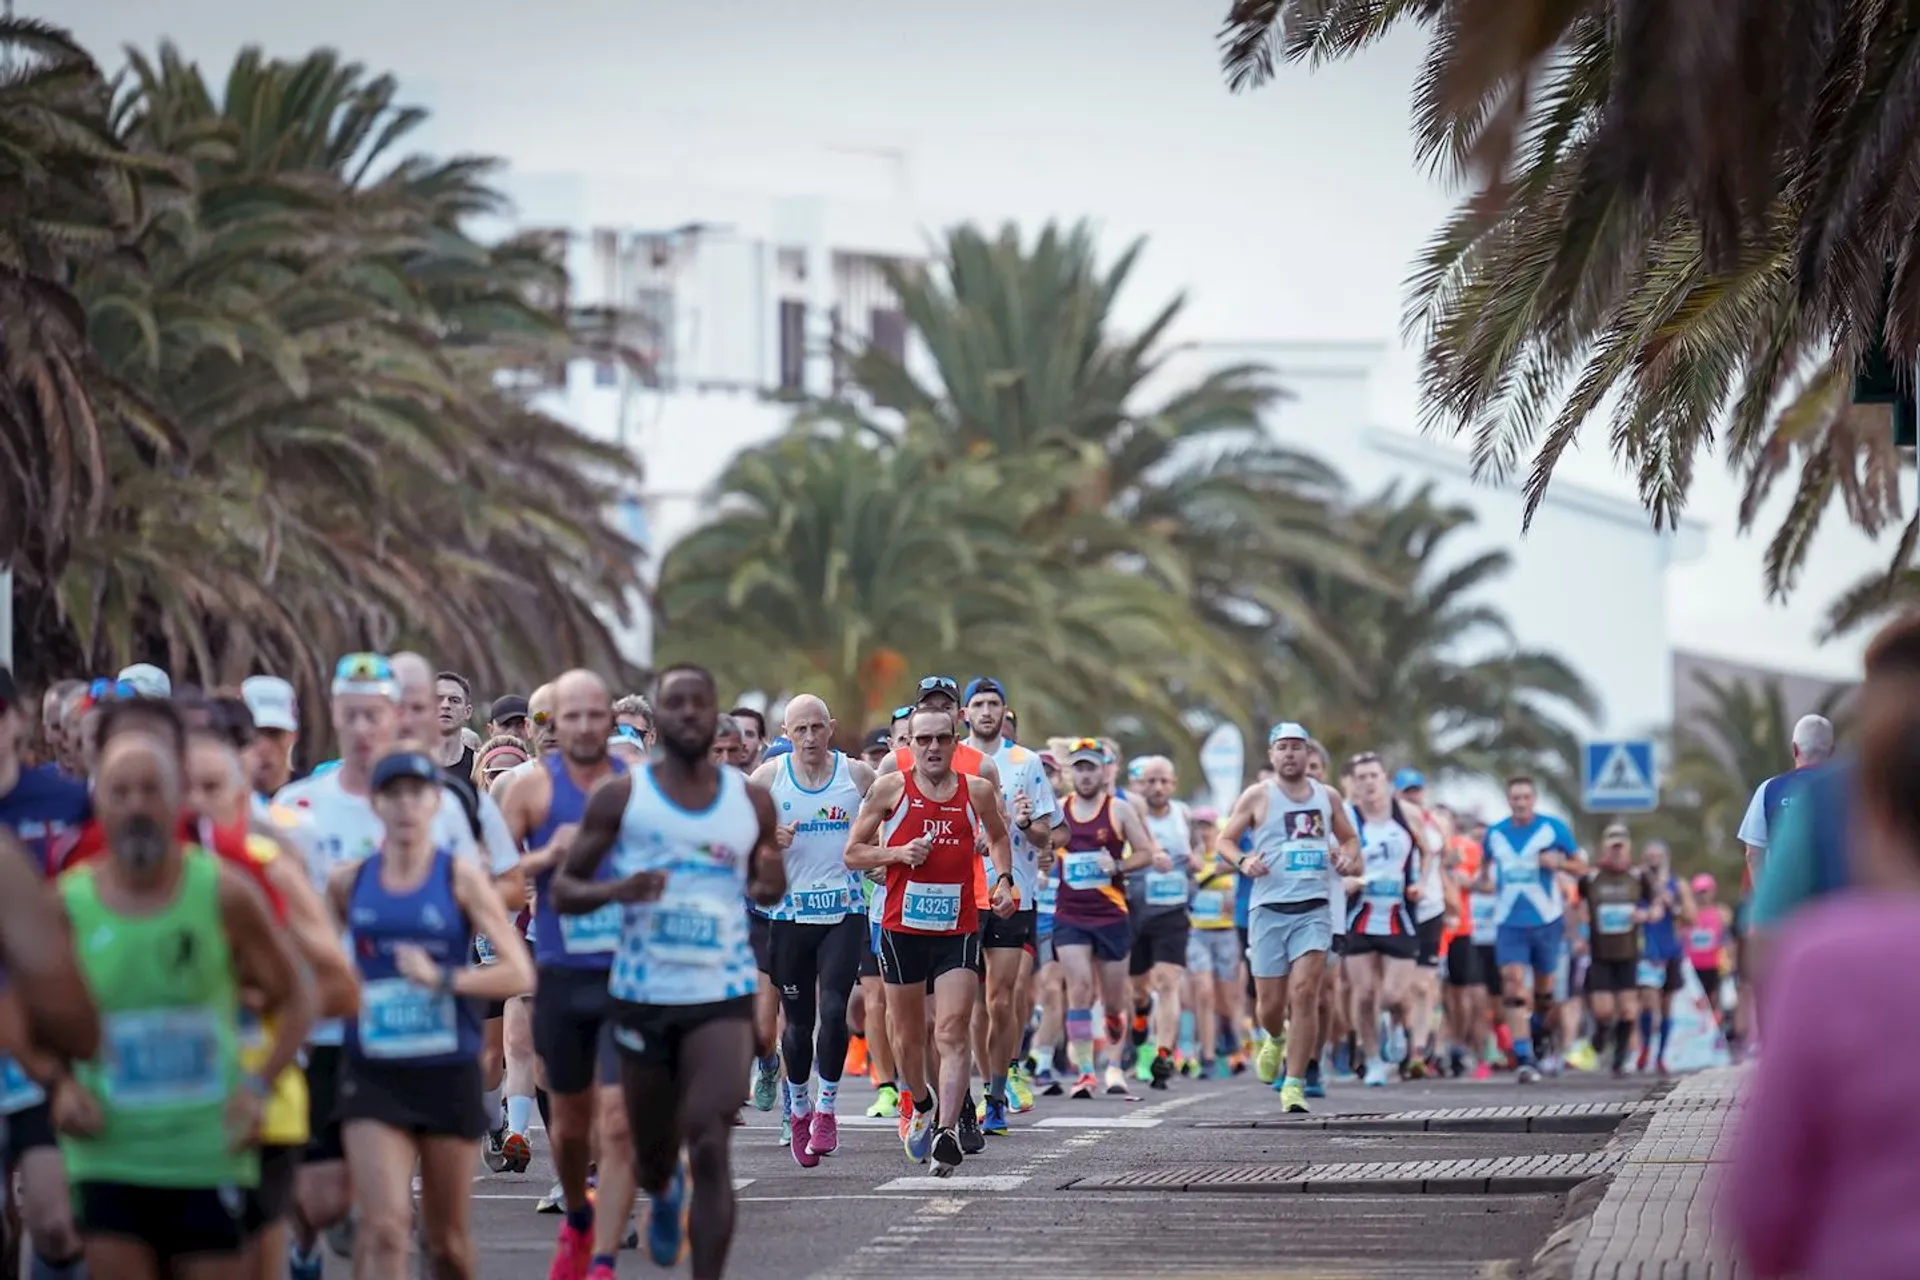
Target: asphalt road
<point>866,1212</point>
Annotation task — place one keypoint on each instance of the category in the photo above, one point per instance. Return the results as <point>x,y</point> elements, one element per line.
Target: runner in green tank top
<point>160,1130</point>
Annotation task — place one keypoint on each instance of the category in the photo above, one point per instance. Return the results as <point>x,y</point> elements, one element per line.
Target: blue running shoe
<point>918,1139</point>
<point>667,1223</point>
<point>996,1121</point>
<point>1315,1086</point>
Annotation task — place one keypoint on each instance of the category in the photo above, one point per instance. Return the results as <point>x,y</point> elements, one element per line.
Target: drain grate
<point>1507,1175</point>
<point>1578,1117</point>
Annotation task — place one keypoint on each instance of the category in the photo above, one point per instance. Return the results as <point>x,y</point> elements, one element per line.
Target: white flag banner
<point>1223,762</point>
<point>1696,1042</point>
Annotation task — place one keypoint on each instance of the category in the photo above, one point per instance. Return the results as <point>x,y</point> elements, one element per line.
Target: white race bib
<point>163,1058</point>
<point>1652,975</point>
<point>1166,889</point>
<point>1701,940</point>
<point>931,907</point>
<point>400,1019</point>
<point>1304,855</point>
<point>1047,898</point>
<point>819,904</point>
<point>1485,908</point>
<point>593,934</point>
<point>690,931</point>
<point>1613,917</point>
<point>1209,905</point>
<point>1386,889</point>
<point>1081,870</point>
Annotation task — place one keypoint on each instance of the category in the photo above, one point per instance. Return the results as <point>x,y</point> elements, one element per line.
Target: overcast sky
<point>1291,212</point>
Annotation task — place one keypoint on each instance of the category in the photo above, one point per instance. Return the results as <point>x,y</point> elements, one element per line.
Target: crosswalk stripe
<point>1097,1122</point>
<point>959,1184</point>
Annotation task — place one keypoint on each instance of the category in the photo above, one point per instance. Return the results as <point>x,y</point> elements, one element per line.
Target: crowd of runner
<point>317,1002</point>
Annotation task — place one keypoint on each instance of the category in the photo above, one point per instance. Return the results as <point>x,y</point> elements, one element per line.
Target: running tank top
<point>1703,939</point>
<point>570,942</point>
<point>1660,939</point>
<point>170,1047</point>
<point>1295,840</point>
<point>283,1120</point>
<point>1089,895</point>
<point>689,947</point>
<point>937,896</point>
<point>1433,898</point>
<point>402,1023</point>
<point>1386,851</point>
<point>966,759</point>
<point>1153,893</point>
<point>820,889</point>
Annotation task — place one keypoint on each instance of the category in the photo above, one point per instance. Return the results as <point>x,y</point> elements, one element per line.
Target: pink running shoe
<point>802,1135</point>
<point>825,1139</point>
<point>1481,1071</point>
<point>602,1271</point>
<point>572,1254</point>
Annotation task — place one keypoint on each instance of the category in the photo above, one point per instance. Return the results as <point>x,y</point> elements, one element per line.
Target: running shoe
<point>1481,1071</point>
<point>1376,1077</point>
<point>856,1063</point>
<point>786,1131</point>
<point>1582,1057</point>
<point>667,1222</point>
<point>919,1139</point>
<point>340,1237</point>
<point>491,1151</point>
<point>1083,1087</point>
<point>1116,1080</point>
<point>1019,1092</point>
<point>995,1125</point>
<point>1315,1086</point>
<point>905,1114</point>
<point>1527,1074</point>
<point>972,1141</point>
<point>766,1082</point>
<point>1266,1067</point>
<point>823,1139</point>
<point>602,1271</point>
<point>304,1266</point>
<point>948,1151</point>
<point>1050,1086</point>
<point>517,1152</point>
<point>631,1240</point>
<point>885,1103</point>
<point>1143,1063</point>
<point>572,1253</point>
<point>1160,1070</point>
<point>799,1131</point>
<point>551,1202</point>
<point>1293,1099</point>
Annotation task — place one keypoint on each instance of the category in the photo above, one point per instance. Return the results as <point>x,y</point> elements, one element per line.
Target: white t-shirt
<point>1021,772</point>
<point>1753,826</point>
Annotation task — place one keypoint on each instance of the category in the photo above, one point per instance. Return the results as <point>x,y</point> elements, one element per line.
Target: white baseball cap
<point>272,702</point>
<point>148,680</point>
<point>1285,730</point>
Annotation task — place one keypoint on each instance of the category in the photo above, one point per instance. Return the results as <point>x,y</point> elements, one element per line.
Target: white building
<point>744,294</point>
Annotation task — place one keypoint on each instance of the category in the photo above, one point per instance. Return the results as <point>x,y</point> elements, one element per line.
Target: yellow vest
<point>283,1120</point>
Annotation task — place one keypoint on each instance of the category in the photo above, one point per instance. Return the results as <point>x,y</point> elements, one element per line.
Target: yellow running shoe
<point>1582,1057</point>
<point>886,1102</point>
<point>1293,1098</point>
<point>1267,1065</point>
<point>1021,1093</point>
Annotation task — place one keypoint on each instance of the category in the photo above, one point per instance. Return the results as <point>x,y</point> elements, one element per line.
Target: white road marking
<point>1098,1122</point>
<point>739,1184</point>
<point>960,1183</point>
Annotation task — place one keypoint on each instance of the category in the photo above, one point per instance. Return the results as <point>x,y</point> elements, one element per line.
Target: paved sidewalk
<point>1657,1220</point>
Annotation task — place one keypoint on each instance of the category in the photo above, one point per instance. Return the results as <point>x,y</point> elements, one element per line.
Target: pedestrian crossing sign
<point>1619,778</point>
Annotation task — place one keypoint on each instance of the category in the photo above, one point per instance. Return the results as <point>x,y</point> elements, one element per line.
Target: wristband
<point>1004,875</point>
<point>445,985</point>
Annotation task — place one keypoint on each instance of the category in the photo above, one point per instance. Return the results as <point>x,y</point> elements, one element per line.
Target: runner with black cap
<point>509,716</point>
<point>410,1083</point>
<point>873,992</point>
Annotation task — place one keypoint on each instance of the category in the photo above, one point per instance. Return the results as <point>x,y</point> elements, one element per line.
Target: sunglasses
<point>1365,757</point>
<point>104,690</point>
<point>901,713</point>
<point>931,739</point>
<point>362,668</point>
<point>1087,744</point>
<point>541,718</point>
<point>941,684</point>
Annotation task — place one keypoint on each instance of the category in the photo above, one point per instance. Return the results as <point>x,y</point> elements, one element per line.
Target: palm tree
<point>353,469</point>
<point>1443,684</point>
<point>1654,235</point>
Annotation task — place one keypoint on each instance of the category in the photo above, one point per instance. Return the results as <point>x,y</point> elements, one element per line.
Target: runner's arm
<point>766,868</point>
<point>862,775</point>
<point>264,960</point>
<point>1346,852</point>
<point>336,989</point>
<point>999,843</point>
<point>575,888</point>
<point>1142,849</point>
<point>37,946</point>
<point>1247,812</point>
<point>864,852</point>
<point>511,973</point>
<point>503,854</point>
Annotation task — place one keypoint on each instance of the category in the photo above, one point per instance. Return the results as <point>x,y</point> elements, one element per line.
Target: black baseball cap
<point>511,707</point>
<point>399,765</point>
<point>880,739</point>
<point>935,686</point>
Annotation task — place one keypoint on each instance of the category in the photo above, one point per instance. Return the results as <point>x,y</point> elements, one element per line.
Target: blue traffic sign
<point>1618,777</point>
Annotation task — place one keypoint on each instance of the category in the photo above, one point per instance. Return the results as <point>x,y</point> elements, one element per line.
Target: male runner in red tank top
<point>921,826</point>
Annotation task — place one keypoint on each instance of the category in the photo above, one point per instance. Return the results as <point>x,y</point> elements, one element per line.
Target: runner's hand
<point>1550,861</point>
<point>1022,809</point>
<point>243,1119</point>
<point>1254,865</point>
<point>1413,893</point>
<point>1002,901</point>
<point>76,1113</point>
<point>1105,862</point>
<point>1161,862</point>
<point>1346,864</point>
<point>1043,857</point>
<point>915,851</point>
<point>415,965</point>
<point>783,838</point>
<point>641,886</point>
